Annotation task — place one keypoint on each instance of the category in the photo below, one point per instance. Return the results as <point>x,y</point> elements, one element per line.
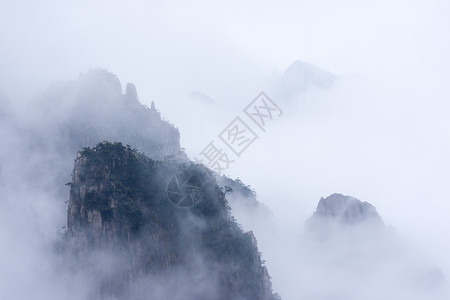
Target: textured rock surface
<point>346,210</point>
<point>119,209</point>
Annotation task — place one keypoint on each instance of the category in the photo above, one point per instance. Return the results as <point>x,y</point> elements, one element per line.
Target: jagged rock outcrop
<point>83,112</point>
<point>348,237</point>
<point>346,210</point>
<point>340,215</point>
<point>124,227</point>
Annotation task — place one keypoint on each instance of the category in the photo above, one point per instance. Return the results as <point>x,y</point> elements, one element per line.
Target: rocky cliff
<point>82,112</point>
<point>346,236</point>
<point>339,215</point>
<point>157,230</point>
<point>346,210</point>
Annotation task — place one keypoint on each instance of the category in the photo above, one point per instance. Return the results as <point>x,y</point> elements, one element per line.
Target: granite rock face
<point>122,227</point>
<point>345,216</point>
<point>346,210</point>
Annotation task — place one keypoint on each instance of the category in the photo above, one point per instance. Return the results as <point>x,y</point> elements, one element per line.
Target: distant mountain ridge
<point>300,77</point>
<point>92,108</point>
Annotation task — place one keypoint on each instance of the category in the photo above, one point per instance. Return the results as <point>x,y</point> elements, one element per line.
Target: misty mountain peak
<point>301,76</point>
<point>82,112</point>
<point>100,80</point>
<point>346,210</point>
<point>121,209</point>
<point>202,97</point>
<point>130,91</point>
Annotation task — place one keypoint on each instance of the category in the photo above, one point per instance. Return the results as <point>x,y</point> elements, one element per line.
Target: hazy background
<point>380,133</point>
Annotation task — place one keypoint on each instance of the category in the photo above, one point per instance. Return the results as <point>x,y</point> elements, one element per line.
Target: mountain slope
<point>120,211</point>
<point>347,244</point>
<point>82,112</point>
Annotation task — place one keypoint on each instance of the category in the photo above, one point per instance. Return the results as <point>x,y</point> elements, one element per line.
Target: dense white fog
<point>363,87</point>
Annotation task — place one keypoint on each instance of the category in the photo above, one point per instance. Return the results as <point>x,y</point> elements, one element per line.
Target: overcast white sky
<point>381,134</point>
<point>168,45</point>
